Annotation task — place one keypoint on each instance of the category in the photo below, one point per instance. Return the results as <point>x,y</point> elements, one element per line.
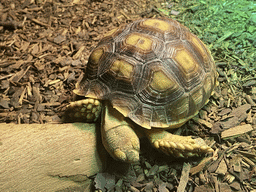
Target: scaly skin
<point>84,110</point>
<point>122,142</point>
<point>118,136</point>
<point>180,146</point>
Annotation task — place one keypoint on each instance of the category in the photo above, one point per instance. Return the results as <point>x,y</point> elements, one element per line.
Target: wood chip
<point>224,187</point>
<point>184,177</point>
<point>45,46</point>
<point>200,166</point>
<point>203,188</point>
<point>224,111</point>
<point>201,121</point>
<point>240,112</point>
<point>79,52</point>
<point>235,131</point>
<point>222,168</point>
<point>230,122</point>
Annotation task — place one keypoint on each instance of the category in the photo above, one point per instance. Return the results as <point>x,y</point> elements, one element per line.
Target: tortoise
<point>152,75</point>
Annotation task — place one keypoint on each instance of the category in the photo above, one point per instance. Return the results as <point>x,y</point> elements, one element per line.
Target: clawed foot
<point>122,143</point>
<point>181,146</point>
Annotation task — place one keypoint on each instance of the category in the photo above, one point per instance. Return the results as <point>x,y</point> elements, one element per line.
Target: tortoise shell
<point>154,71</point>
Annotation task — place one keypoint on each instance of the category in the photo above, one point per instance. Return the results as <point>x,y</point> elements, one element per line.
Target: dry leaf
<point>104,181</point>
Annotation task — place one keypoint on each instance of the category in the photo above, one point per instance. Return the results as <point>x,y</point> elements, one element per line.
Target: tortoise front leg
<point>180,146</point>
<point>118,137</point>
<point>86,110</point>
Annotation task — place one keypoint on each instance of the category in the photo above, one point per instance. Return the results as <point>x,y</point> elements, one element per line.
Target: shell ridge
<point>154,71</point>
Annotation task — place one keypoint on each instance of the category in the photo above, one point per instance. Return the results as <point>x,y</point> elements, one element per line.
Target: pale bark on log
<point>49,157</point>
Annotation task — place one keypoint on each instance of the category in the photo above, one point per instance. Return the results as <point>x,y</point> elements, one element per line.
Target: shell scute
<point>153,71</point>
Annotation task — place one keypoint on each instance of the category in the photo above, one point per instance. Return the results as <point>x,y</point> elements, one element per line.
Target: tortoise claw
<point>122,144</point>
<point>130,156</point>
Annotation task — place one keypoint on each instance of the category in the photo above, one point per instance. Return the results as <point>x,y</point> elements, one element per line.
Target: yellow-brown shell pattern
<point>154,71</point>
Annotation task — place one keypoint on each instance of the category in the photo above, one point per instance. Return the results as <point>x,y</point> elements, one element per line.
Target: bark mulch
<point>44,48</point>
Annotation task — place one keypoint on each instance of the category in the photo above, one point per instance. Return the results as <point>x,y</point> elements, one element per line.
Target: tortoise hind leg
<point>118,137</point>
<point>180,146</point>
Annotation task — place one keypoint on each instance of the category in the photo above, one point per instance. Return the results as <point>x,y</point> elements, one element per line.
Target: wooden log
<point>49,157</point>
